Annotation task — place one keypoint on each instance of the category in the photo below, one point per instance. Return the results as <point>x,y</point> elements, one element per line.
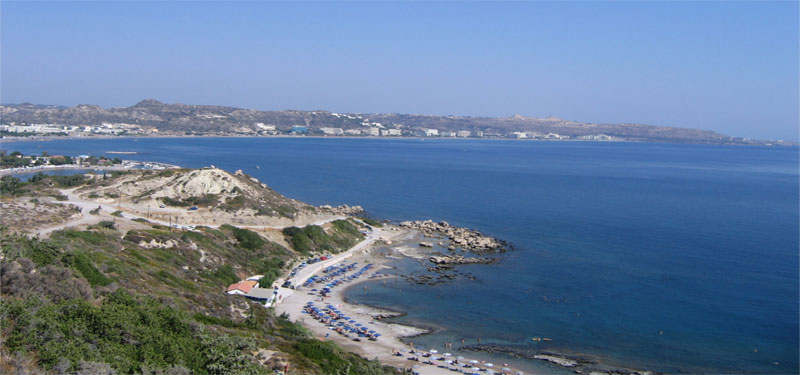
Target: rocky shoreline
<point>457,237</point>
<point>579,365</point>
<point>458,259</point>
<point>343,209</point>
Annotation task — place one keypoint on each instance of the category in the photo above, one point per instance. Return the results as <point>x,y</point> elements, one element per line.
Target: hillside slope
<point>208,196</point>
<point>136,297</point>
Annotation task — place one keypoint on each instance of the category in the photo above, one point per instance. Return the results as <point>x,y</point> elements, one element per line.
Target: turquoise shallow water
<point>615,242</point>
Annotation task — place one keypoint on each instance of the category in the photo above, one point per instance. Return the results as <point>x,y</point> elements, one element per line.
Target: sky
<point>732,67</point>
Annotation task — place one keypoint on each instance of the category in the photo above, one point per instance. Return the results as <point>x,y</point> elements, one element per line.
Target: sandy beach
<point>390,341</point>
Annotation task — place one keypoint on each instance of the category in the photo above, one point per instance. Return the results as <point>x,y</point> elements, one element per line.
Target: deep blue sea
<point>672,258</point>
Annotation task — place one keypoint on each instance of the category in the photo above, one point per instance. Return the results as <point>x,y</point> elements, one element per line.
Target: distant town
<point>370,129</point>
<point>153,118</point>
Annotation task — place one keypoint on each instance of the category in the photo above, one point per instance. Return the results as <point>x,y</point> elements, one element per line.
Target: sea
<point>661,257</point>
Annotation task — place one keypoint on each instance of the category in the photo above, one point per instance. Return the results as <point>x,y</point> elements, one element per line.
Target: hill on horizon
<point>219,120</point>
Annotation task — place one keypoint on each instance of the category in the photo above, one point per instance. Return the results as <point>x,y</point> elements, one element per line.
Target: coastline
<point>129,166</point>
<point>394,337</point>
<point>12,139</point>
<point>286,136</point>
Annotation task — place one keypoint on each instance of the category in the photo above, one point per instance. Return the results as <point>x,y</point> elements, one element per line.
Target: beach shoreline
<point>394,337</point>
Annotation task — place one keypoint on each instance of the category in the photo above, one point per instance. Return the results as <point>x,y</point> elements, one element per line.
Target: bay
<point>672,258</point>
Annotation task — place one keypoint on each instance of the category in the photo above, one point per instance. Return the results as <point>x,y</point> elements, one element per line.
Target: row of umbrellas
<point>337,282</point>
<point>332,271</point>
<point>341,320</point>
<point>471,364</point>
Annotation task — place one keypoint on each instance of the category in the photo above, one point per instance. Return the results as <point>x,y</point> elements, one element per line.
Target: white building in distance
<point>391,132</point>
<point>332,131</point>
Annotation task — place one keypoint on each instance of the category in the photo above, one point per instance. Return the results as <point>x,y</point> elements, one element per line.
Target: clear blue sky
<point>726,66</point>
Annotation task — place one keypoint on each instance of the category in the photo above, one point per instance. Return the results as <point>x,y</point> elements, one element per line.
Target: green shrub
<point>224,274</point>
<point>40,252</point>
<point>82,263</point>
<point>125,331</point>
<point>247,238</point>
<point>10,185</point>
<point>271,269</point>
<point>105,224</point>
<point>313,238</point>
<point>209,319</point>
<point>374,223</point>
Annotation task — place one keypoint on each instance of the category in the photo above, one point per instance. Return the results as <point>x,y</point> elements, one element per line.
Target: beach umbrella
<point>460,357</point>
<point>358,324</point>
<point>520,373</point>
<point>506,369</point>
<point>475,369</point>
<point>489,364</point>
<point>473,361</point>
<point>449,362</point>
<point>434,351</point>
<point>447,354</point>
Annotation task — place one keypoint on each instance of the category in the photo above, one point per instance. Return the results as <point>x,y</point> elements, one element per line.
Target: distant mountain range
<point>220,120</point>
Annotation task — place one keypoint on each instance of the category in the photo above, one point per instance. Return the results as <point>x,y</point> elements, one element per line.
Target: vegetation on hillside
<point>313,238</point>
<point>152,301</point>
<point>373,222</point>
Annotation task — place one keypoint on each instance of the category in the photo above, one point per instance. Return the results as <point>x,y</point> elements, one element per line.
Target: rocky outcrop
<point>463,238</point>
<point>343,209</point>
<point>577,364</point>
<point>457,259</point>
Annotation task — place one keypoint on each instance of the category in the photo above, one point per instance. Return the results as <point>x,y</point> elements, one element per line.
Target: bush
<point>10,185</point>
<point>374,223</point>
<point>125,331</point>
<point>247,238</point>
<point>204,200</point>
<point>105,224</point>
<point>68,181</point>
<point>42,253</point>
<point>224,274</point>
<point>271,269</point>
<point>313,238</point>
<point>82,263</point>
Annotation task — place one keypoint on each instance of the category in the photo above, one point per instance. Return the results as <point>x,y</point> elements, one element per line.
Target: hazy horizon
<point>727,67</point>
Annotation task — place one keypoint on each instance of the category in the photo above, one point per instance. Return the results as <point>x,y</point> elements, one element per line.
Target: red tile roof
<point>244,286</point>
